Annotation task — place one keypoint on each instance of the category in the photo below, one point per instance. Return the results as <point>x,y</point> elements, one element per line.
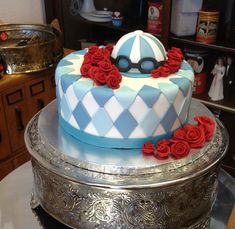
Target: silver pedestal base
<point>179,198</point>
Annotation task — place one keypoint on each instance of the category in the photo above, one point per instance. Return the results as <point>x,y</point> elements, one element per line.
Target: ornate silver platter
<point>84,186</point>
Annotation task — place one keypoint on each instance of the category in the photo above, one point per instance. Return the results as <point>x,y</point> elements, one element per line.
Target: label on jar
<point>154,17</point>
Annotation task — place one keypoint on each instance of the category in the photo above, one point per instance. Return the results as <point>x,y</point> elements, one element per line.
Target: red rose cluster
<point>97,66</point>
<point>183,139</point>
<point>175,57</point>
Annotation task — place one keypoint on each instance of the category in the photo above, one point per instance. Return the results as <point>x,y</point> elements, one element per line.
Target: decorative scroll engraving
<point>84,206</point>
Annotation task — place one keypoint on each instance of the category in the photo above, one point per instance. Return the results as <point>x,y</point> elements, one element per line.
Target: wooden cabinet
<point>21,97</point>
<point>4,140</point>
<point>17,115</point>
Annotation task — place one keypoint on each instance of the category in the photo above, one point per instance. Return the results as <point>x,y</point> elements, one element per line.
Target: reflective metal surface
<point>84,192</point>
<point>29,48</point>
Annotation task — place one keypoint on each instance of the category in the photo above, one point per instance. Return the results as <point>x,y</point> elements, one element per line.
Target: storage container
<point>184,16</point>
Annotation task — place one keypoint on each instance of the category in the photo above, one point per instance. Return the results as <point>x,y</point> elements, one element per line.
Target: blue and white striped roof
<point>137,45</point>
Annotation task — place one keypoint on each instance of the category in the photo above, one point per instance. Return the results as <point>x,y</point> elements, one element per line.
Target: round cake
<point>140,107</point>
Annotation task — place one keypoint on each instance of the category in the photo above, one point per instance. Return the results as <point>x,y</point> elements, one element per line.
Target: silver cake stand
<point>84,186</point>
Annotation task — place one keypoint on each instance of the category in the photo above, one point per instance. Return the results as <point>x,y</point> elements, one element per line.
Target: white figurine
<point>216,90</point>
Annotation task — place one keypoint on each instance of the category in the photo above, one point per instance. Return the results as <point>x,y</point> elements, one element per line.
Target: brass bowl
<point>29,48</point>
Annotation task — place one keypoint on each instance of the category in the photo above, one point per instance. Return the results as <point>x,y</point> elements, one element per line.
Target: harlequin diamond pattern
<point>126,123</point>
<point>81,115</point>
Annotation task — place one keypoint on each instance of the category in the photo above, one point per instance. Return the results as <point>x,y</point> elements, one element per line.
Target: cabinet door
<point>21,159</point>
<point>5,168</point>
<point>37,93</point>
<point>17,117</point>
<point>52,87</point>
<point>4,139</point>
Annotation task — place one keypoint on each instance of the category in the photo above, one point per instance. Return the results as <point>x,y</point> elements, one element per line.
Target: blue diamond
<point>125,96</point>
<point>125,123</point>
<point>81,115</point>
<point>183,84</point>
<point>169,119</point>
<point>67,80</point>
<point>102,121</point>
<point>66,108</point>
<point>149,123</point>
<point>102,94</point>
<point>170,91</point>
<point>81,88</point>
<point>149,95</point>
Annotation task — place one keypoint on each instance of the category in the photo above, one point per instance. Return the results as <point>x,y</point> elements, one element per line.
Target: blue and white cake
<point>142,109</point>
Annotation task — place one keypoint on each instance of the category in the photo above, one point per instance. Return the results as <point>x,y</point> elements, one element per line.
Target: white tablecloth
<point>15,194</point>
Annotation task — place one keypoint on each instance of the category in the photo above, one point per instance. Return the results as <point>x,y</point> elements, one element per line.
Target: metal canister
<point>207,26</point>
<point>154,17</point>
<point>197,58</point>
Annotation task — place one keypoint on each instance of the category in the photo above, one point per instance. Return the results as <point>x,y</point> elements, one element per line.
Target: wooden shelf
<point>219,46</point>
<point>228,106</point>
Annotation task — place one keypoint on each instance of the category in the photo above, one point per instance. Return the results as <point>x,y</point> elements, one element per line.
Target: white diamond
<point>161,106</point>
<point>113,108</point>
<point>71,97</point>
<point>73,122</point>
<point>113,133</point>
<point>159,131</point>
<point>176,125</point>
<point>138,133</point>
<point>90,104</point>
<point>179,102</point>
<point>60,90</point>
<point>91,129</point>
<point>138,109</point>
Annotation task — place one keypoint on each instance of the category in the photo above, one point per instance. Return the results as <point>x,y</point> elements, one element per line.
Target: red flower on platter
<point>113,80</point>
<point>92,49</point>
<point>208,131</point>
<point>100,78</point>
<point>178,134</point>
<point>105,66</point>
<point>162,152</point>
<point>195,137</point>
<point>97,57</point>
<point>204,120</point>
<point>109,47</point>
<point>163,142</point>
<point>162,71</point>
<point>188,126</point>
<point>148,148</point>
<point>85,69</point>
<point>179,149</point>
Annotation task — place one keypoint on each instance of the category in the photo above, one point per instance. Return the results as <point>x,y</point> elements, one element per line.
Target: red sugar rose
<point>105,66</point>
<point>179,134</point>
<point>163,142</point>
<point>92,49</point>
<point>100,78</point>
<point>204,120</point>
<point>175,53</point>
<point>162,152</point>
<point>195,137</point>
<point>162,71</point>
<point>87,59</point>
<point>179,149</point>
<point>113,80</point>
<point>97,57</point>
<point>148,148</point>
<point>85,70</point>
<point>92,71</point>
<point>109,47</point>
<point>105,52</point>
<point>208,131</point>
